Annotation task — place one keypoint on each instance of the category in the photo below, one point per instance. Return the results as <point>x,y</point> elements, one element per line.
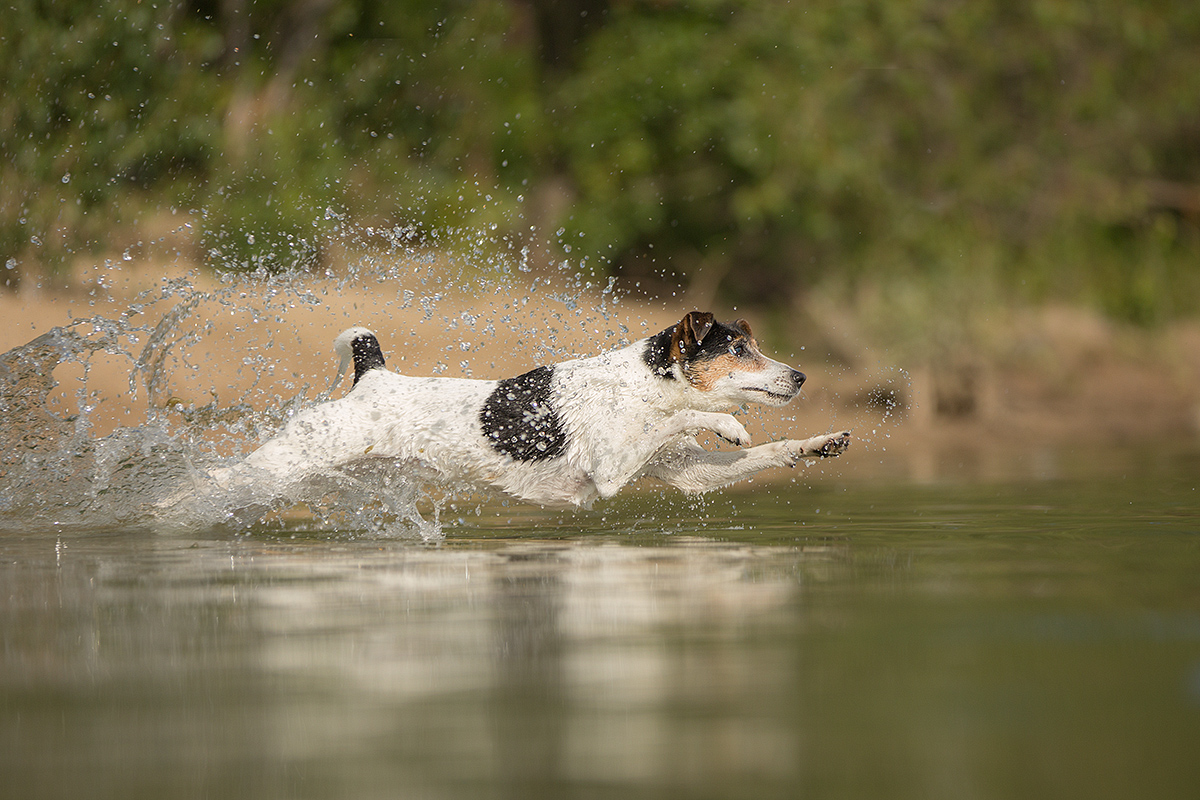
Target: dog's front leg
<point>691,468</point>
<point>823,446</point>
<point>629,459</point>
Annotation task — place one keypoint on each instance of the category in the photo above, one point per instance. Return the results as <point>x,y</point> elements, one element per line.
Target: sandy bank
<point>1066,380</point>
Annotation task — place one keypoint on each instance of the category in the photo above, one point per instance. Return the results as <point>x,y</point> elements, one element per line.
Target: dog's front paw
<point>832,445</point>
<point>824,446</point>
<point>732,431</point>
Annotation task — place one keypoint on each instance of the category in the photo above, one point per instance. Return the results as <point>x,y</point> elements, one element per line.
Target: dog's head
<point>722,361</point>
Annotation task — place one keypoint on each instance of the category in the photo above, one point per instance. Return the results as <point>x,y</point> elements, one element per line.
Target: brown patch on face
<point>677,344</point>
<point>741,355</point>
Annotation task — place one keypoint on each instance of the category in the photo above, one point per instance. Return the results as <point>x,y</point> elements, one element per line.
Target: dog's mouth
<point>780,396</point>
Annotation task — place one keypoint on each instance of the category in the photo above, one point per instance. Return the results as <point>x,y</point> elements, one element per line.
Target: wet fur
<point>558,435</point>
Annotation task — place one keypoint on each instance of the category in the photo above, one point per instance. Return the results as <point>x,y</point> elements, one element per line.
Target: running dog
<point>558,435</point>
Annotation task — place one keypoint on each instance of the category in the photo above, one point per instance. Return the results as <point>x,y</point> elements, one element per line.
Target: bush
<point>754,148</point>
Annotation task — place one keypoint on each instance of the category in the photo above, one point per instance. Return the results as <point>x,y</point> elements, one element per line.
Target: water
<point>120,417</point>
<point>844,635</point>
<point>1022,639</point>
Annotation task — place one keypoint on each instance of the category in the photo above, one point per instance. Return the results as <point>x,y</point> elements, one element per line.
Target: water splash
<point>54,471</point>
<point>211,372</point>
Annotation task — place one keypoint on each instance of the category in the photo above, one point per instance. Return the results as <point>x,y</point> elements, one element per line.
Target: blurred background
<point>954,184</point>
<point>748,151</point>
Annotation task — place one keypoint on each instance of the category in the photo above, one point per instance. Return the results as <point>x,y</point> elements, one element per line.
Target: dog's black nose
<point>798,378</point>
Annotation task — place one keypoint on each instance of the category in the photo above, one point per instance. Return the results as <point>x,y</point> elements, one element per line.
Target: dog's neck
<point>662,387</point>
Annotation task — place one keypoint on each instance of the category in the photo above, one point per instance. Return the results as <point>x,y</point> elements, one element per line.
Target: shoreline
<point>1085,384</point>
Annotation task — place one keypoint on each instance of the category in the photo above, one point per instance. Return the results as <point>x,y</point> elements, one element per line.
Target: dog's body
<point>559,435</point>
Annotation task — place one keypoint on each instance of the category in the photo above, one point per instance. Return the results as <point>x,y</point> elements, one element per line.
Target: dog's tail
<point>361,346</point>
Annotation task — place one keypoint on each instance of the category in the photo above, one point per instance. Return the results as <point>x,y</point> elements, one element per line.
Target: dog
<point>560,435</point>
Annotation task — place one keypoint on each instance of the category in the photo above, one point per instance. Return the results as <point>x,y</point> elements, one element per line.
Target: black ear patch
<point>519,420</point>
<point>657,354</point>
<point>695,339</point>
<point>679,343</point>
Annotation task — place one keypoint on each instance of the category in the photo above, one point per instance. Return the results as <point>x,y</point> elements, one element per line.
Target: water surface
<point>1017,639</point>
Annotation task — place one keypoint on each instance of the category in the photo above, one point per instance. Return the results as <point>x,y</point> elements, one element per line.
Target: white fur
<point>342,346</point>
<point>621,422</point>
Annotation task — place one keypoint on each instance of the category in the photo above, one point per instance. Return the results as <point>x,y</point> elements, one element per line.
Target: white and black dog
<point>558,435</point>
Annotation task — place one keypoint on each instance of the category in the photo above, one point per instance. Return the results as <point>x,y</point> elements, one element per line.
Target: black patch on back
<point>367,355</point>
<point>518,419</point>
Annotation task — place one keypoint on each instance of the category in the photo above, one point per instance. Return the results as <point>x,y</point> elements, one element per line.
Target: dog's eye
<point>739,350</point>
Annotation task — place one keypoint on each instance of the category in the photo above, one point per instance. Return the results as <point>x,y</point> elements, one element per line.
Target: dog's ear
<point>697,324</point>
<point>744,326</point>
<point>695,328</point>
<point>689,333</point>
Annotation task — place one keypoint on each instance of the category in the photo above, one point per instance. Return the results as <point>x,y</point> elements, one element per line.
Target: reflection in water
<point>561,663</point>
<point>526,666</point>
<point>1008,641</point>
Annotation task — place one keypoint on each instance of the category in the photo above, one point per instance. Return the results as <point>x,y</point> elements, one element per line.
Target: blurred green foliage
<point>1047,149</point>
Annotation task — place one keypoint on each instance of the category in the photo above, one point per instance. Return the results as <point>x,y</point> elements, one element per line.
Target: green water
<point>1022,639</point>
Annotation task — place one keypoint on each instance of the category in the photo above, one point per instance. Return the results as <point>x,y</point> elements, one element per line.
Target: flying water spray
<point>213,365</point>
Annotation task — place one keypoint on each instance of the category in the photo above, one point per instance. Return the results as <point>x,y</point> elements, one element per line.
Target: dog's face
<point>725,362</point>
